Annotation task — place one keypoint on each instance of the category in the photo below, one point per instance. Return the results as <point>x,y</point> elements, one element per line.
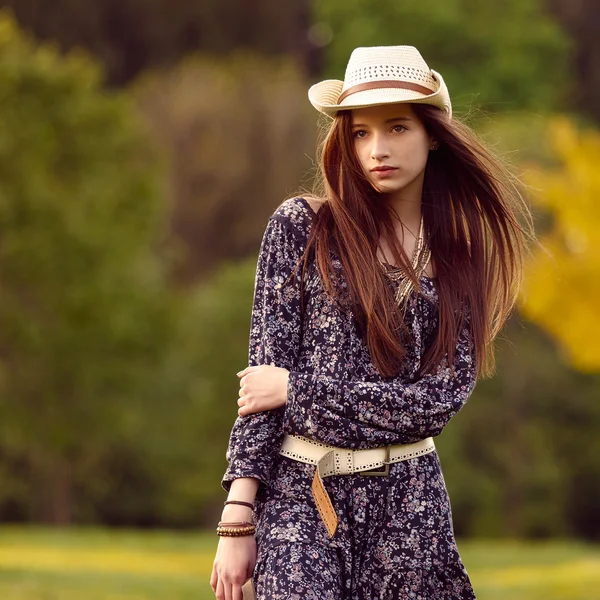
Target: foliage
<point>562,291</point>
<point>184,446</point>
<point>83,318</point>
<point>501,55</point>
<point>118,388</point>
<point>131,36</point>
<point>113,385</point>
<point>513,459</point>
<point>236,132</point>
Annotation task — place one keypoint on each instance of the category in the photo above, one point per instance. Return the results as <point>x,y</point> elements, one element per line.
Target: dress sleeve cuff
<point>232,474</point>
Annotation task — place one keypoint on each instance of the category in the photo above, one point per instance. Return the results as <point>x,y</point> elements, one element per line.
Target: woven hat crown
<point>403,63</point>
<point>382,75</point>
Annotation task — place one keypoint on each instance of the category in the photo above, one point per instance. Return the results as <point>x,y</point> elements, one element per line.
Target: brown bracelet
<point>240,502</point>
<point>236,531</point>
<point>235,524</point>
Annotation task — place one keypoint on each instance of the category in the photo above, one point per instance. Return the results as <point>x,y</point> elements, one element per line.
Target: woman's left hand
<point>263,387</point>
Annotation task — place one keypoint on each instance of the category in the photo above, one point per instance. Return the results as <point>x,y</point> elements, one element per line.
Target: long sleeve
<point>355,413</point>
<point>274,339</point>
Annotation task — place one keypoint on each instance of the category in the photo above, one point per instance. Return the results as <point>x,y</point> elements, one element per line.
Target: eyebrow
<point>387,121</point>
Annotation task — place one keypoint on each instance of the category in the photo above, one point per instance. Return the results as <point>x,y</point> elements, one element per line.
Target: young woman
<point>375,306</point>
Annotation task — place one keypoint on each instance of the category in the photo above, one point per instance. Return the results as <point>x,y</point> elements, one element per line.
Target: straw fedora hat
<point>382,75</point>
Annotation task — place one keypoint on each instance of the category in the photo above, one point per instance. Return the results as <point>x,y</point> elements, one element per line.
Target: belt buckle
<point>381,473</point>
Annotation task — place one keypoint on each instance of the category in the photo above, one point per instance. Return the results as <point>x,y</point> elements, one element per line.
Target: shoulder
<point>297,214</point>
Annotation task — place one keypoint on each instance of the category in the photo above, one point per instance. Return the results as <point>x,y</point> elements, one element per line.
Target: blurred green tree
<point>84,321</point>
<point>522,458</point>
<point>168,470</point>
<point>117,394</point>
<point>109,405</point>
<point>237,133</point>
<point>130,36</point>
<point>221,310</point>
<point>503,56</point>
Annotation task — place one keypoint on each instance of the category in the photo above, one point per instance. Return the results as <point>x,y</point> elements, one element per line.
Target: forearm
<point>329,427</point>
<point>244,490</point>
<point>350,413</point>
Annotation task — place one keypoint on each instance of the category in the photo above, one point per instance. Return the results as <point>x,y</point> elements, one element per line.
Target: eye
<point>359,133</point>
<point>398,128</point>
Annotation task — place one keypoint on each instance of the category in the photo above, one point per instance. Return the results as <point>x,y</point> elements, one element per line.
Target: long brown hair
<point>477,223</point>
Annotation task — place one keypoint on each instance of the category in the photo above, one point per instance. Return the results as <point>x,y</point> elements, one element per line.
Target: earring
<point>434,146</point>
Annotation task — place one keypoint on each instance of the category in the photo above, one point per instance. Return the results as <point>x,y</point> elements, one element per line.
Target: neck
<point>407,204</point>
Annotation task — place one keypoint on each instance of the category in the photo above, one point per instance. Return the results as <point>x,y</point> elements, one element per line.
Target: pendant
<point>420,259</point>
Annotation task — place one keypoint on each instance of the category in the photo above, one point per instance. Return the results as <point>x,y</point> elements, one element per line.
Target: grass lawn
<point>91,564</point>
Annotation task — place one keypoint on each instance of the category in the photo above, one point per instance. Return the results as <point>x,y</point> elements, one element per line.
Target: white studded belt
<point>345,461</point>
<point>331,460</point>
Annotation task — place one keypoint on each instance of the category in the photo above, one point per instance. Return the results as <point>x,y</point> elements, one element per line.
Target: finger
<point>228,590</point>
<point>242,372</point>
<point>242,401</point>
<point>247,370</point>
<point>213,579</point>
<point>237,593</point>
<point>220,593</point>
<point>245,381</point>
<point>247,408</point>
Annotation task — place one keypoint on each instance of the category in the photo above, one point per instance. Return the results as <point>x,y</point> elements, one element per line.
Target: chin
<point>393,187</point>
<point>389,189</point>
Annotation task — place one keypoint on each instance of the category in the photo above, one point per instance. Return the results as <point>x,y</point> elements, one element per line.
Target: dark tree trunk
<point>52,500</point>
<point>581,19</point>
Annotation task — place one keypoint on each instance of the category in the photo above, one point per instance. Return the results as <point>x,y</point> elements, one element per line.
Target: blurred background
<point>143,146</point>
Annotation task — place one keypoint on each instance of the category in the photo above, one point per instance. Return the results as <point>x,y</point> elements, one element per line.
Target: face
<point>392,147</point>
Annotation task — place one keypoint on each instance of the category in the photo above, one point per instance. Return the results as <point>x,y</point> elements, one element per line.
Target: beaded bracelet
<point>235,531</point>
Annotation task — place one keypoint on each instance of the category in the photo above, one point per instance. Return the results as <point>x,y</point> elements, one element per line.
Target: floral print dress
<point>395,537</point>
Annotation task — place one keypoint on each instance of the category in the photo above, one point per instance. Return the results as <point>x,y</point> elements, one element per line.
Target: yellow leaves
<point>562,283</point>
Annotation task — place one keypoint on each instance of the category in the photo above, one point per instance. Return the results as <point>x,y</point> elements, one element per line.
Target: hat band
<point>384,83</point>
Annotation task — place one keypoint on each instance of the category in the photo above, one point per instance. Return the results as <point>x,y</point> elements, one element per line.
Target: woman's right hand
<point>233,566</point>
<point>236,556</point>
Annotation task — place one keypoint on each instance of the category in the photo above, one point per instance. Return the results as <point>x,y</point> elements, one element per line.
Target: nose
<point>379,149</point>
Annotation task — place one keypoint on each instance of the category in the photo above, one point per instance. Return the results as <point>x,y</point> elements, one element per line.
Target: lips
<point>382,169</point>
<point>383,172</point>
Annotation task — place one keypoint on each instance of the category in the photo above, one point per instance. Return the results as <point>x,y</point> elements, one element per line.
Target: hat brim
<point>325,94</point>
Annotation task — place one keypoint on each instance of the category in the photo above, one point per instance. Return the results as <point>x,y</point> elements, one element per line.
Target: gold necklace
<point>420,259</point>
